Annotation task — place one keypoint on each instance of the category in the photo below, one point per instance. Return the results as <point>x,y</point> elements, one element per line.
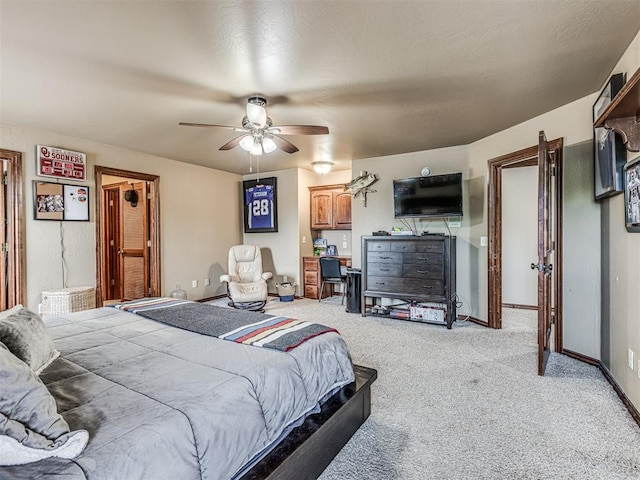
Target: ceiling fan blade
<point>228,127</point>
<point>232,143</point>
<point>256,114</point>
<point>284,145</point>
<point>300,130</point>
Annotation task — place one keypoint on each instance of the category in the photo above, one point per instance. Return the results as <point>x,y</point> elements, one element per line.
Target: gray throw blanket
<point>249,328</point>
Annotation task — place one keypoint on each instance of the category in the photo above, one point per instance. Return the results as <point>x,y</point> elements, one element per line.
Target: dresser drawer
<point>381,246</point>
<point>310,278</point>
<point>424,286</point>
<point>434,246</point>
<point>311,264</point>
<point>430,258</point>
<point>384,257</point>
<point>384,269</point>
<point>416,270</point>
<point>311,291</point>
<point>403,246</point>
<point>400,286</point>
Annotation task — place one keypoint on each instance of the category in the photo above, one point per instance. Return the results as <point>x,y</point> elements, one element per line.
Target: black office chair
<point>331,274</point>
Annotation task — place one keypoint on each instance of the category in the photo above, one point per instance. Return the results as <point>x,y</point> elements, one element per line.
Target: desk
<point>311,275</point>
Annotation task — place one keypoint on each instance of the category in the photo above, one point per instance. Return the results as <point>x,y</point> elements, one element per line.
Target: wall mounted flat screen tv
<point>433,196</point>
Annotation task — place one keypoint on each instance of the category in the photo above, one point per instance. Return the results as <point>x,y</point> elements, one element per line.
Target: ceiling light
<point>322,166</point>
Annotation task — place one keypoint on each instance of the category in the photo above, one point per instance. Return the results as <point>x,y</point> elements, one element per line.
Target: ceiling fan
<point>259,135</point>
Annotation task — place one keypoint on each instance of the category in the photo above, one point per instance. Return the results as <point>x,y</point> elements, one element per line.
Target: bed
<point>161,401</point>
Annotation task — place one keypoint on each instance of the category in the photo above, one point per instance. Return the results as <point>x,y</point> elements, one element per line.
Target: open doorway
<point>128,234</point>
<point>12,266</point>
<point>524,158</point>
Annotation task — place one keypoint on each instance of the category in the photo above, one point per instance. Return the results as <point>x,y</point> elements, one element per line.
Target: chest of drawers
<point>414,269</point>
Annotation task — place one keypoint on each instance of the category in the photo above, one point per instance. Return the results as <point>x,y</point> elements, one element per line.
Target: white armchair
<point>246,282</point>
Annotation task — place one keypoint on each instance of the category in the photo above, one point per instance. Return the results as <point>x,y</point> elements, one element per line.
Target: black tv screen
<point>434,196</point>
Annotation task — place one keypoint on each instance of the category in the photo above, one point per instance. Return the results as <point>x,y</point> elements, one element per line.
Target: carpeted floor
<point>467,403</point>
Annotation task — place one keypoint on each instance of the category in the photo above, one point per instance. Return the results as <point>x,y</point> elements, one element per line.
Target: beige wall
<point>283,250</point>
<point>378,214</point>
<point>280,250</point>
<point>195,232</point>
<point>623,273</point>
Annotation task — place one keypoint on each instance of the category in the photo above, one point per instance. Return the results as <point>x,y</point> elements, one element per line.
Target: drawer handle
<point>421,271</point>
<point>386,258</point>
<point>380,283</point>
<point>427,286</point>
<point>384,269</point>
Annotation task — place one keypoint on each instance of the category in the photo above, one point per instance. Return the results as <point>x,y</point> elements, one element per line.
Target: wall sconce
<point>322,166</point>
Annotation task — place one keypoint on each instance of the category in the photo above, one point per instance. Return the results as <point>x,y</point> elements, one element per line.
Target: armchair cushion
<point>246,282</point>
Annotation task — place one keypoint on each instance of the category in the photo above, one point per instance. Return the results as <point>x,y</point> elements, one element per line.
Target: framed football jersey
<point>260,205</point>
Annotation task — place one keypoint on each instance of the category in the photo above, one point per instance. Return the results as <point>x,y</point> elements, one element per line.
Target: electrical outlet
<point>631,359</point>
<point>639,368</point>
<point>207,281</point>
<point>483,241</point>
<point>194,284</point>
<point>344,244</point>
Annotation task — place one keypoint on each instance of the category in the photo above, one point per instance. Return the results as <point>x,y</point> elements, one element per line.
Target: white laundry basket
<point>67,300</point>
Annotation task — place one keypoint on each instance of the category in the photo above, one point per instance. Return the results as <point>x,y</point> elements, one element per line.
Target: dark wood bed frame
<point>310,448</point>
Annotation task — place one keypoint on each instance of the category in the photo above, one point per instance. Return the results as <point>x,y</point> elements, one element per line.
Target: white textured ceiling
<point>386,77</point>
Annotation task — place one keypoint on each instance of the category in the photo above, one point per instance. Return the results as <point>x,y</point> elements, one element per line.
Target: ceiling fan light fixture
<point>268,145</point>
<point>257,148</point>
<point>247,143</point>
<point>322,166</point>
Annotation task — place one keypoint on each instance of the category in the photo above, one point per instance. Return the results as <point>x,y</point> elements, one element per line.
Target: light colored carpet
<point>467,403</point>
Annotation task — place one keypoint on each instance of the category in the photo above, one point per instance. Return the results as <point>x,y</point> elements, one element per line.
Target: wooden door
<point>13,256</point>
<point>4,264</point>
<point>321,210</point>
<point>342,210</point>
<point>544,266</point>
<point>111,242</point>
<point>134,243</point>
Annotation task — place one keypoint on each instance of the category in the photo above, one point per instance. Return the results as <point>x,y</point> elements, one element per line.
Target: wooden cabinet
<point>330,208</point>
<point>621,114</point>
<point>311,275</point>
<point>413,269</point>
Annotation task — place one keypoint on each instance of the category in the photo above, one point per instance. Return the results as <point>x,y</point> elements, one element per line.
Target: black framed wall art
<point>631,176</point>
<point>608,147</point>
<point>59,201</point>
<point>260,205</point>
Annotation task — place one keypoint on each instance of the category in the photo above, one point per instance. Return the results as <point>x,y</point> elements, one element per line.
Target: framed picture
<point>59,163</point>
<point>260,205</point>
<point>332,250</point>
<point>631,176</point>
<point>58,201</point>
<point>608,148</point>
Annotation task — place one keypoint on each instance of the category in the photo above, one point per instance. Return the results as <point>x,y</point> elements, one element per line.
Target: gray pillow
<point>25,335</point>
<point>30,426</point>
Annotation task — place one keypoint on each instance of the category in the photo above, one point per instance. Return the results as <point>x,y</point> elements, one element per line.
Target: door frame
<point>522,158</point>
<point>154,227</point>
<point>15,228</point>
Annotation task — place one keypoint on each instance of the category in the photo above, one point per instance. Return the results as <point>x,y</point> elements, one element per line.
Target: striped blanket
<point>249,328</point>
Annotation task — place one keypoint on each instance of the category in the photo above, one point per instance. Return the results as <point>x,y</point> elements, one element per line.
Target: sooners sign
<point>59,163</point>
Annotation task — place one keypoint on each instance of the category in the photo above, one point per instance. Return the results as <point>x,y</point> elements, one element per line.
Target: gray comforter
<point>165,403</point>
